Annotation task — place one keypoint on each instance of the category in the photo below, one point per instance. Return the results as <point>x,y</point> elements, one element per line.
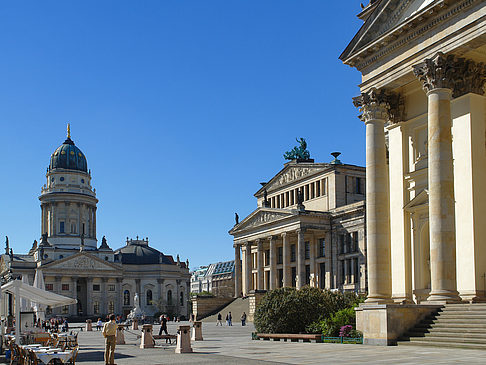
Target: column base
<point>378,300</point>
<point>443,297</point>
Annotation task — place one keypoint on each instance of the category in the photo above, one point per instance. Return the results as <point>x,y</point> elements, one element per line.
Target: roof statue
<point>266,203</point>
<point>6,245</point>
<point>237,218</point>
<point>68,131</point>
<point>298,152</point>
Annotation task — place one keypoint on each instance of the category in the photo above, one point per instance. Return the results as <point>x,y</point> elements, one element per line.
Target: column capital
<point>236,245</point>
<point>460,75</point>
<point>379,105</point>
<point>301,230</point>
<point>283,235</point>
<point>272,237</point>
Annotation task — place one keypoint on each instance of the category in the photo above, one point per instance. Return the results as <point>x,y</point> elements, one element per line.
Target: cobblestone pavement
<point>233,345</point>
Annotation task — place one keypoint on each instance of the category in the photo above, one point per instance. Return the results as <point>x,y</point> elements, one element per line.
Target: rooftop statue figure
<point>300,152</point>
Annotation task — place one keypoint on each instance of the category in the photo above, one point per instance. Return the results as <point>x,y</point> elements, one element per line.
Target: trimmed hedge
<point>288,310</point>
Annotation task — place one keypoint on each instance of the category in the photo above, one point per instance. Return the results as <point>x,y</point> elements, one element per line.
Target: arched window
<point>182,299</point>
<point>149,297</point>
<point>126,297</point>
<point>169,297</point>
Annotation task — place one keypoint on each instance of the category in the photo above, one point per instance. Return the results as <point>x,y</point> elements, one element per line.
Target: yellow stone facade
<point>423,106</point>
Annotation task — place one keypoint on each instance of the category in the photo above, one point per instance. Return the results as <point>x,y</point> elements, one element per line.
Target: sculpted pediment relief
<point>80,263</point>
<point>290,175</point>
<point>262,217</point>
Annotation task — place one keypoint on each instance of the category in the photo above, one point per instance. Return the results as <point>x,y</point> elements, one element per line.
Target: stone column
<point>437,76</point>
<point>104,296</point>
<point>374,106</point>
<point>346,271</point>
<point>89,296</point>
<point>273,263</point>
<point>248,268</point>
<point>286,261</point>
<point>237,270</point>
<point>300,258</point>
<point>260,265</point>
<point>73,310</point>
<point>119,296</point>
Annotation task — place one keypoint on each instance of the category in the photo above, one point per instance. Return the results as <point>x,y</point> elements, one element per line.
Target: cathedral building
<point>308,229</point>
<point>103,280</point>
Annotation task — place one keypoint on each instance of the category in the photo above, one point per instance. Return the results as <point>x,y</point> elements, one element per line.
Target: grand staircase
<point>236,307</point>
<point>455,325</point>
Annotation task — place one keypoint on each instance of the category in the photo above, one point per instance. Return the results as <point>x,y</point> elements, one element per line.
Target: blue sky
<point>181,107</point>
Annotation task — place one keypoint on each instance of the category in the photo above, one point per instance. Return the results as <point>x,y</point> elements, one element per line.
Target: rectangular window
<point>61,227</point>
<point>322,275</point>
<point>267,280</point>
<point>307,250</point>
<point>356,271</point>
<point>96,307</point>
<point>306,192</point>
<point>359,189</point>
<point>111,307</point>
<point>267,257</point>
<point>65,309</point>
<point>322,247</point>
<point>279,255</point>
<point>96,287</point>
<point>73,228</point>
<point>291,197</point>
<point>65,286</point>
<point>349,239</point>
<point>294,275</point>
<point>280,278</point>
<point>318,188</point>
<point>50,287</point>
<point>111,287</point>
<point>307,274</point>
<point>287,199</point>
<point>292,253</point>
<point>312,192</point>
<point>84,230</point>
<point>343,273</point>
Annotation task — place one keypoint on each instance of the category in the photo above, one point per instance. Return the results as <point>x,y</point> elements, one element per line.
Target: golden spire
<point>69,131</point>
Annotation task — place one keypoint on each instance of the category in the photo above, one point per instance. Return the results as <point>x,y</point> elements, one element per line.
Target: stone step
<point>453,320</point>
<point>449,339</point>
<point>462,316</point>
<point>456,330</point>
<point>457,325</point>
<point>458,335</point>
<point>465,307</point>
<point>444,344</point>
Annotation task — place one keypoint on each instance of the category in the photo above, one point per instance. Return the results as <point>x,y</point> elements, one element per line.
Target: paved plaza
<point>233,345</point>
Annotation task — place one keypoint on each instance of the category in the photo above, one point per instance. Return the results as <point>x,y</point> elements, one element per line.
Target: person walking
<point>163,325</point>
<point>229,318</point>
<point>109,333</point>
<point>99,324</point>
<point>243,319</point>
<point>220,320</point>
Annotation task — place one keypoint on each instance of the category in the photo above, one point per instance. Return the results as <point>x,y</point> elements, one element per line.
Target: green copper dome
<point>68,156</point>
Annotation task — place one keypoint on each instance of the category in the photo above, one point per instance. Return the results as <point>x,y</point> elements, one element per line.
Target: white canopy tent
<point>39,309</point>
<point>39,296</point>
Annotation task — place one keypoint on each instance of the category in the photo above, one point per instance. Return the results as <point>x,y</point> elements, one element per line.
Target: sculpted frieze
<point>82,263</point>
<point>293,174</point>
<point>264,217</point>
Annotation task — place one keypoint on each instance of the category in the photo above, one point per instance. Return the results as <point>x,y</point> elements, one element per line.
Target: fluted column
<point>437,75</point>
<point>273,263</point>
<point>237,270</point>
<point>374,106</point>
<point>300,258</point>
<point>89,296</point>
<point>259,265</point>
<point>286,261</point>
<point>248,268</point>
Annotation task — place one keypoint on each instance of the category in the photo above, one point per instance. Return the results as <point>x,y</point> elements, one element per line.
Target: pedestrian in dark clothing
<point>163,325</point>
<point>220,320</point>
<point>243,319</point>
<point>229,319</point>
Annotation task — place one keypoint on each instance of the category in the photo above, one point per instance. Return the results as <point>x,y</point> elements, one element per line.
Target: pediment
<point>420,201</point>
<point>386,17</point>
<point>291,173</point>
<point>81,262</point>
<point>260,217</point>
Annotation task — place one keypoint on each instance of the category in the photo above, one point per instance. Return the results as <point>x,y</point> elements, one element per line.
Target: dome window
<point>62,178</point>
<point>82,181</point>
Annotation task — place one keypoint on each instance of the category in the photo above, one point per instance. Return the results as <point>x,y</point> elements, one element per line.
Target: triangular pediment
<point>261,217</point>
<point>81,262</point>
<point>421,200</point>
<point>291,173</point>
<point>386,17</point>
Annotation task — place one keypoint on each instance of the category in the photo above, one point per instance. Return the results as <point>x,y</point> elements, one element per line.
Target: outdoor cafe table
<point>46,354</point>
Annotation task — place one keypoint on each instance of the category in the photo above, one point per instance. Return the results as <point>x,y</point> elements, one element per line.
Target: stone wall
<point>255,297</point>
<point>204,306</point>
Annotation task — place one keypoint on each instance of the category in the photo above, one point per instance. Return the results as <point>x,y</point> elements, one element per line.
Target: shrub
<point>287,310</point>
<point>343,317</point>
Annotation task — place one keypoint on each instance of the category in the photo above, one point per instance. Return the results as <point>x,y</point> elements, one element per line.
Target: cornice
<point>406,32</point>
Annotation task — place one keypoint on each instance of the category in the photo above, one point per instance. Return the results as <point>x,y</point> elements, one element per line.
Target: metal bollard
<point>89,325</point>
<point>183,340</point>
